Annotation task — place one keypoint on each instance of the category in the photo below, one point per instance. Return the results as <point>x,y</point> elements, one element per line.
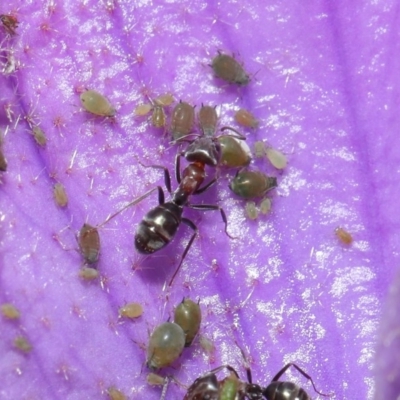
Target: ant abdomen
<point>285,391</point>
<point>158,228</point>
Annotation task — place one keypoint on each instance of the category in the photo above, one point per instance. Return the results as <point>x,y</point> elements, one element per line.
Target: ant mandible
<point>159,226</point>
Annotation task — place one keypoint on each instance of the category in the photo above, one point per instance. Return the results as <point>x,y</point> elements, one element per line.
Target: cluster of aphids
<point>167,343</point>
<point>234,152</point>
<point>159,226</point>
<point>9,24</point>
<point>201,148</point>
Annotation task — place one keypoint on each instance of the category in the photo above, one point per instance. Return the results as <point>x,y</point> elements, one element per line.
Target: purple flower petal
<point>324,87</point>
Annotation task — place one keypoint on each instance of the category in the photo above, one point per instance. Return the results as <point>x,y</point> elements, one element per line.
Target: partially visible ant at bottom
<point>208,387</point>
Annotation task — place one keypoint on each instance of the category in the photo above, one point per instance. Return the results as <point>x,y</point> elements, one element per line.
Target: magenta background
<point>326,91</point>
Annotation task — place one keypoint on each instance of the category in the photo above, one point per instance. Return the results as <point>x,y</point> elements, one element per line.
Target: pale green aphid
<point>251,210</point>
<point>39,136</point>
<point>10,311</point>
<point>229,388</point>
<point>265,206</point>
<point>276,158</point>
<point>97,104</point>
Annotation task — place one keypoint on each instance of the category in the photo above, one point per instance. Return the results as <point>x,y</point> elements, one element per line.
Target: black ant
<point>209,387</point>
<point>159,226</point>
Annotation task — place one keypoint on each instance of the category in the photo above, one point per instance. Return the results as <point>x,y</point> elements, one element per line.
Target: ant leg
<point>167,176</point>
<point>211,207</point>
<point>161,200</point>
<point>238,134</point>
<point>178,167</point>
<point>228,367</point>
<point>190,224</point>
<point>287,366</point>
<point>206,187</point>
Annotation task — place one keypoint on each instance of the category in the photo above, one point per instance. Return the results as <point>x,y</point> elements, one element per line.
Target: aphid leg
<point>161,199</point>
<point>165,387</point>
<point>287,366</point>
<point>228,367</point>
<point>190,224</point>
<point>211,207</point>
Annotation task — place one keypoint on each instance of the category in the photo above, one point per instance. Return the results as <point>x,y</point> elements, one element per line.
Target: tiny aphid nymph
<point>60,195</point>
<point>251,210</point>
<point>115,394</point>
<point>9,311</point>
<point>10,23</point>
<point>344,236</point>
<point>89,243</point>
<point>228,69</point>
<point>39,136</point>
<point>97,104</point>
<point>131,310</point>
<point>23,344</point>
<point>88,273</point>
<point>246,118</point>
<point>276,158</point>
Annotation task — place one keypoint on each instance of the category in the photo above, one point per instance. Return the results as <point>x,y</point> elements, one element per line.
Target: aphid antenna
<point>145,88</point>
<point>243,303</point>
<point>45,26</point>
<point>34,179</point>
<point>16,121</point>
<point>4,134</point>
<point>30,117</point>
<point>71,164</point>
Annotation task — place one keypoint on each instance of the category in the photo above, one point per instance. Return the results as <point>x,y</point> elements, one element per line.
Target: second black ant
<point>209,387</point>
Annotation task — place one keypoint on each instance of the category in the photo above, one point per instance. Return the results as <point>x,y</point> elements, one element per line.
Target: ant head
<point>255,392</point>
<point>204,150</point>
